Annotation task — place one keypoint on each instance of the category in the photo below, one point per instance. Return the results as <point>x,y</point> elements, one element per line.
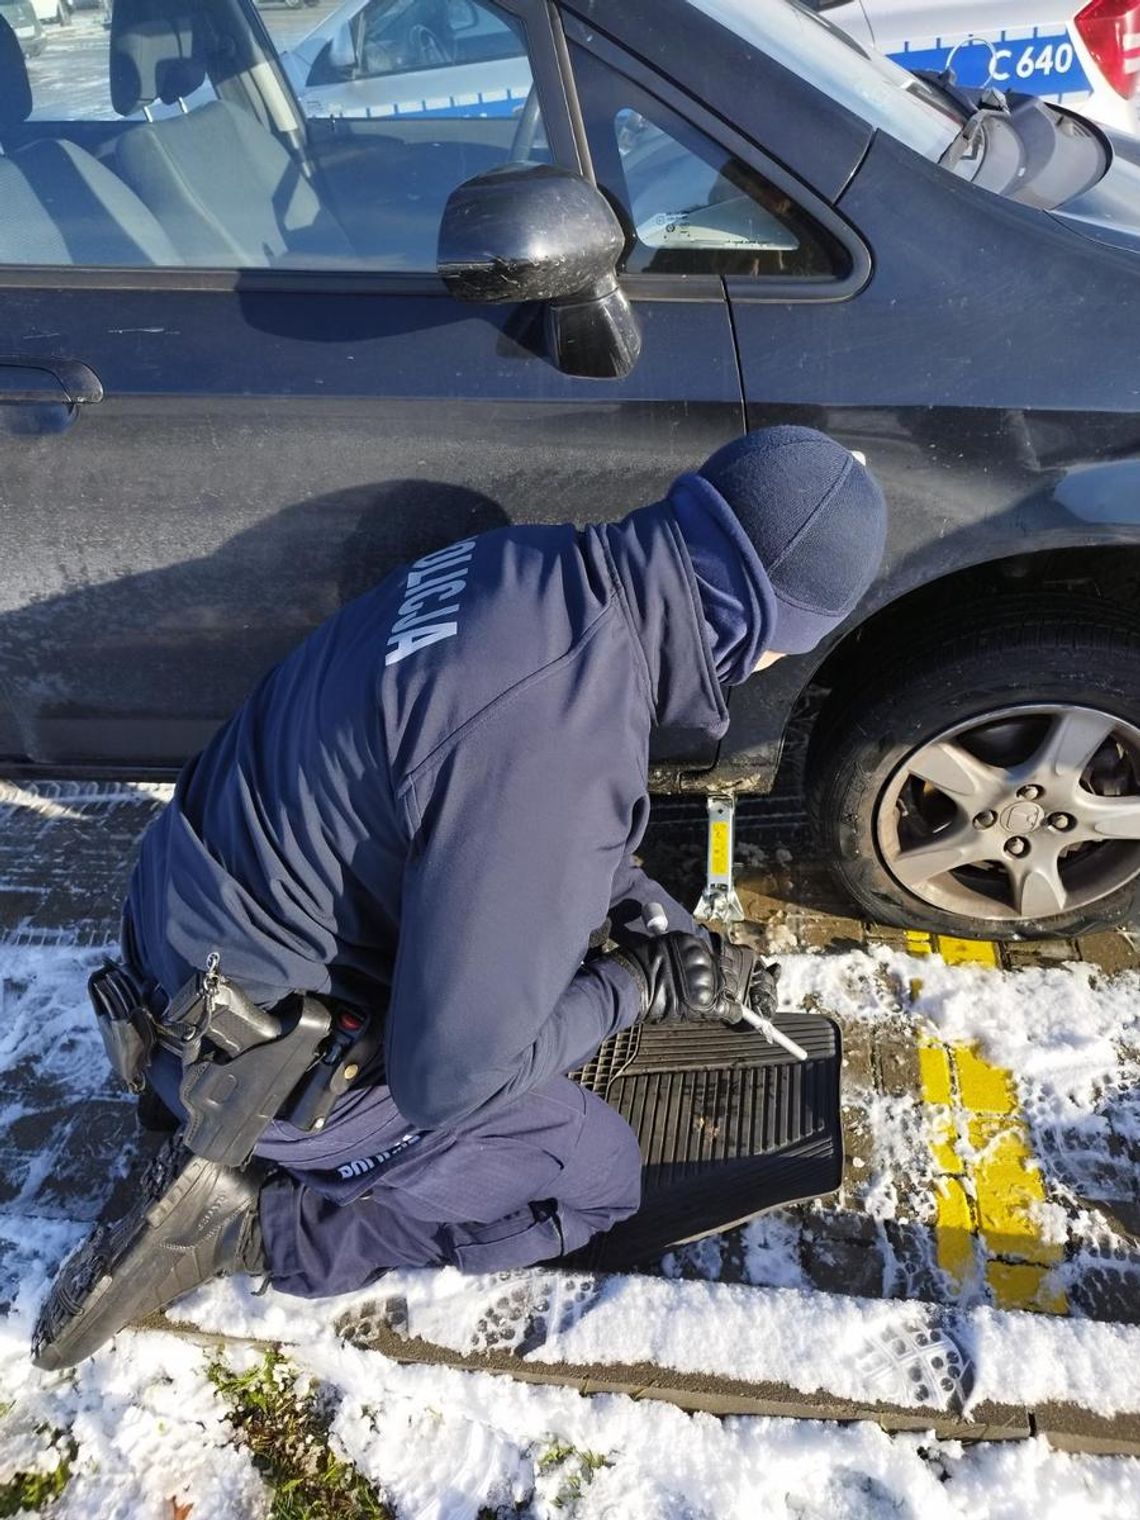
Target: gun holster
<point>242,1065</point>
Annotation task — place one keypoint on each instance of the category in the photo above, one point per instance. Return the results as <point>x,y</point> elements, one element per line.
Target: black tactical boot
<point>192,1220</point>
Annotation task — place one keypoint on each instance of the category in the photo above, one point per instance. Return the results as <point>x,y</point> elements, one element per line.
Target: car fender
<point>1081,507</point>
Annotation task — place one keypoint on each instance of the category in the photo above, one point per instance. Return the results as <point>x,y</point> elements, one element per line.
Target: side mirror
<point>534,232</point>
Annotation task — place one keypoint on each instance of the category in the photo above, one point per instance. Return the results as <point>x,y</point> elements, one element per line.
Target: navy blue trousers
<point>368,1192</point>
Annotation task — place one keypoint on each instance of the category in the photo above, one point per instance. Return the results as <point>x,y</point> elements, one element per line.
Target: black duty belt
<point>242,1065</point>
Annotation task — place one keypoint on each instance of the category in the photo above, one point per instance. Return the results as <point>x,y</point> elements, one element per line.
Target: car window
<point>159,136</point>
<point>434,59</point>
<point>691,206</point>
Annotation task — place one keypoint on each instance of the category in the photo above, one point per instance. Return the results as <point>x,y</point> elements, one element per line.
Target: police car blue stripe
<point>1043,64</point>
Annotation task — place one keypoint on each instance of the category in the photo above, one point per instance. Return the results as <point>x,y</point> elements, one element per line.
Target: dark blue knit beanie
<point>816,519</point>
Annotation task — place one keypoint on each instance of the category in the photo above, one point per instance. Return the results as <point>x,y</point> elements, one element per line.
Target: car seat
<point>58,203</point>
<point>225,188</point>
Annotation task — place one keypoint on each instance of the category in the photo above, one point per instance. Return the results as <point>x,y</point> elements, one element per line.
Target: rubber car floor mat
<point>729,1126</point>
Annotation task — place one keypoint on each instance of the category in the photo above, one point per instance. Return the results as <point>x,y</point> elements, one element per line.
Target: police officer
<point>421,817</point>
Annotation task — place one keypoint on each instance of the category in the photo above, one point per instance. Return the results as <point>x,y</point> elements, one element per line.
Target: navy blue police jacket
<point>428,807</point>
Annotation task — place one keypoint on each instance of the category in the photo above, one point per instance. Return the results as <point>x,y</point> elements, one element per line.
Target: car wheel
<point>62,15</point>
<point>987,782</point>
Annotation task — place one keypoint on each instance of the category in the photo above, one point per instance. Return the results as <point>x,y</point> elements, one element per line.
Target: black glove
<point>747,979</point>
<point>679,976</point>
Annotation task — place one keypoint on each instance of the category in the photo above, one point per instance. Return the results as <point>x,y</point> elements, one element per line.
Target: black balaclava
<point>785,530</point>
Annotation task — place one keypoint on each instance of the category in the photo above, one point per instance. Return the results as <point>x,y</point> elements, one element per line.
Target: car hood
<point>1109,211</point>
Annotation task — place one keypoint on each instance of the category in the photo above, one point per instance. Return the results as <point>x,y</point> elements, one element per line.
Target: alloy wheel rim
<point>1026,812</point>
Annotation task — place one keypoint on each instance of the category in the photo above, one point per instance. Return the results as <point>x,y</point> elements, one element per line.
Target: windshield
<point>869,85</point>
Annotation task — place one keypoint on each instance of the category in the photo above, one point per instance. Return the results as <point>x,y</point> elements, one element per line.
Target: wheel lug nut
<point>985,819</point>
<point>1062,821</point>
<point>1017,846</point>
<point>1031,793</point>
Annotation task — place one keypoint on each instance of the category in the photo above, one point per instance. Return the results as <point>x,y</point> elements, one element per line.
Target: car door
<point>233,390</point>
<point>702,203</point>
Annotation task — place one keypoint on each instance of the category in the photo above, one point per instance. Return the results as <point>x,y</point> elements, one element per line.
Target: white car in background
<point>400,58</point>
<point>1086,57</point>
<point>431,57</point>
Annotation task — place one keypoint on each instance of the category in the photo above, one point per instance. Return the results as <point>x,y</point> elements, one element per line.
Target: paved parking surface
<point>953,1191</point>
<point>962,1205</point>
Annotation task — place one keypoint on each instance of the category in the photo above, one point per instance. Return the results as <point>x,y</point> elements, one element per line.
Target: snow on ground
<point>444,1445</point>
<point>1070,1034</point>
<point>807,1340</point>
<point>1062,1030</point>
<point>147,1425</point>
<point>659,1462</point>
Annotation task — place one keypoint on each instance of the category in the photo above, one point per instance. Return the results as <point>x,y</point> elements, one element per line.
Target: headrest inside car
<point>156,52</point>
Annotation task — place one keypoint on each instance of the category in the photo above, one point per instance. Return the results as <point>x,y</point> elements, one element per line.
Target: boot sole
<point>131,1268</point>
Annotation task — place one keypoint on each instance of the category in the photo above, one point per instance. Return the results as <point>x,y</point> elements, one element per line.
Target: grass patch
<point>568,1471</point>
<point>287,1435</point>
<point>35,1490</point>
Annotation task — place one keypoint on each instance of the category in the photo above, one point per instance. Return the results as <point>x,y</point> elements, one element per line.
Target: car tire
<point>62,15</point>
<point>1003,686</point>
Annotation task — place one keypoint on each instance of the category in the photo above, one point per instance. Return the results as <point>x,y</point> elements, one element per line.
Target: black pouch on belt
<point>355,1042</point>
<point>124,1023</point>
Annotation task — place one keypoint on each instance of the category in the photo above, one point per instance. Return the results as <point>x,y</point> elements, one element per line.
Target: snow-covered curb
<point>808,1341</point>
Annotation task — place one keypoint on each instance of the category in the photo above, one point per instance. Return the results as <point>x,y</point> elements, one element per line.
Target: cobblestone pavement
<point>943,1207</point>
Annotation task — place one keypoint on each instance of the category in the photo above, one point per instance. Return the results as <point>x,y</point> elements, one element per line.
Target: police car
<point>423,57</point>
<point>1087,58</point>
<point>400,58</point>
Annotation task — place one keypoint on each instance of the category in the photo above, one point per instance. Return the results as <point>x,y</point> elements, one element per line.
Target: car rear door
<point>202,458</point>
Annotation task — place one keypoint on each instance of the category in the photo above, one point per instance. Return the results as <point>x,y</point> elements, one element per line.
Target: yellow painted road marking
<point>935,1074</point>
<point>989,1187</point>
<point>954,1234</point>
<point>967,952</point>
<point>955,952</point>
<point>943,1139</point>
<point>1008,1186</point>
<point>983,1089</point>
<point>1024,1287</point>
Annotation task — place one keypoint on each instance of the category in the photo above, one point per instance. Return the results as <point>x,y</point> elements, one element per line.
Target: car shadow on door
<point>137,672</point>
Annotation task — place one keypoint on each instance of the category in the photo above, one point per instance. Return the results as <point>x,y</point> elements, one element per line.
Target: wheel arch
<point>774,718</point>
<point>1106,573</point>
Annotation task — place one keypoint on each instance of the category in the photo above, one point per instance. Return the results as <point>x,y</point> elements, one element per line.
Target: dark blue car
<point>262,342</point>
